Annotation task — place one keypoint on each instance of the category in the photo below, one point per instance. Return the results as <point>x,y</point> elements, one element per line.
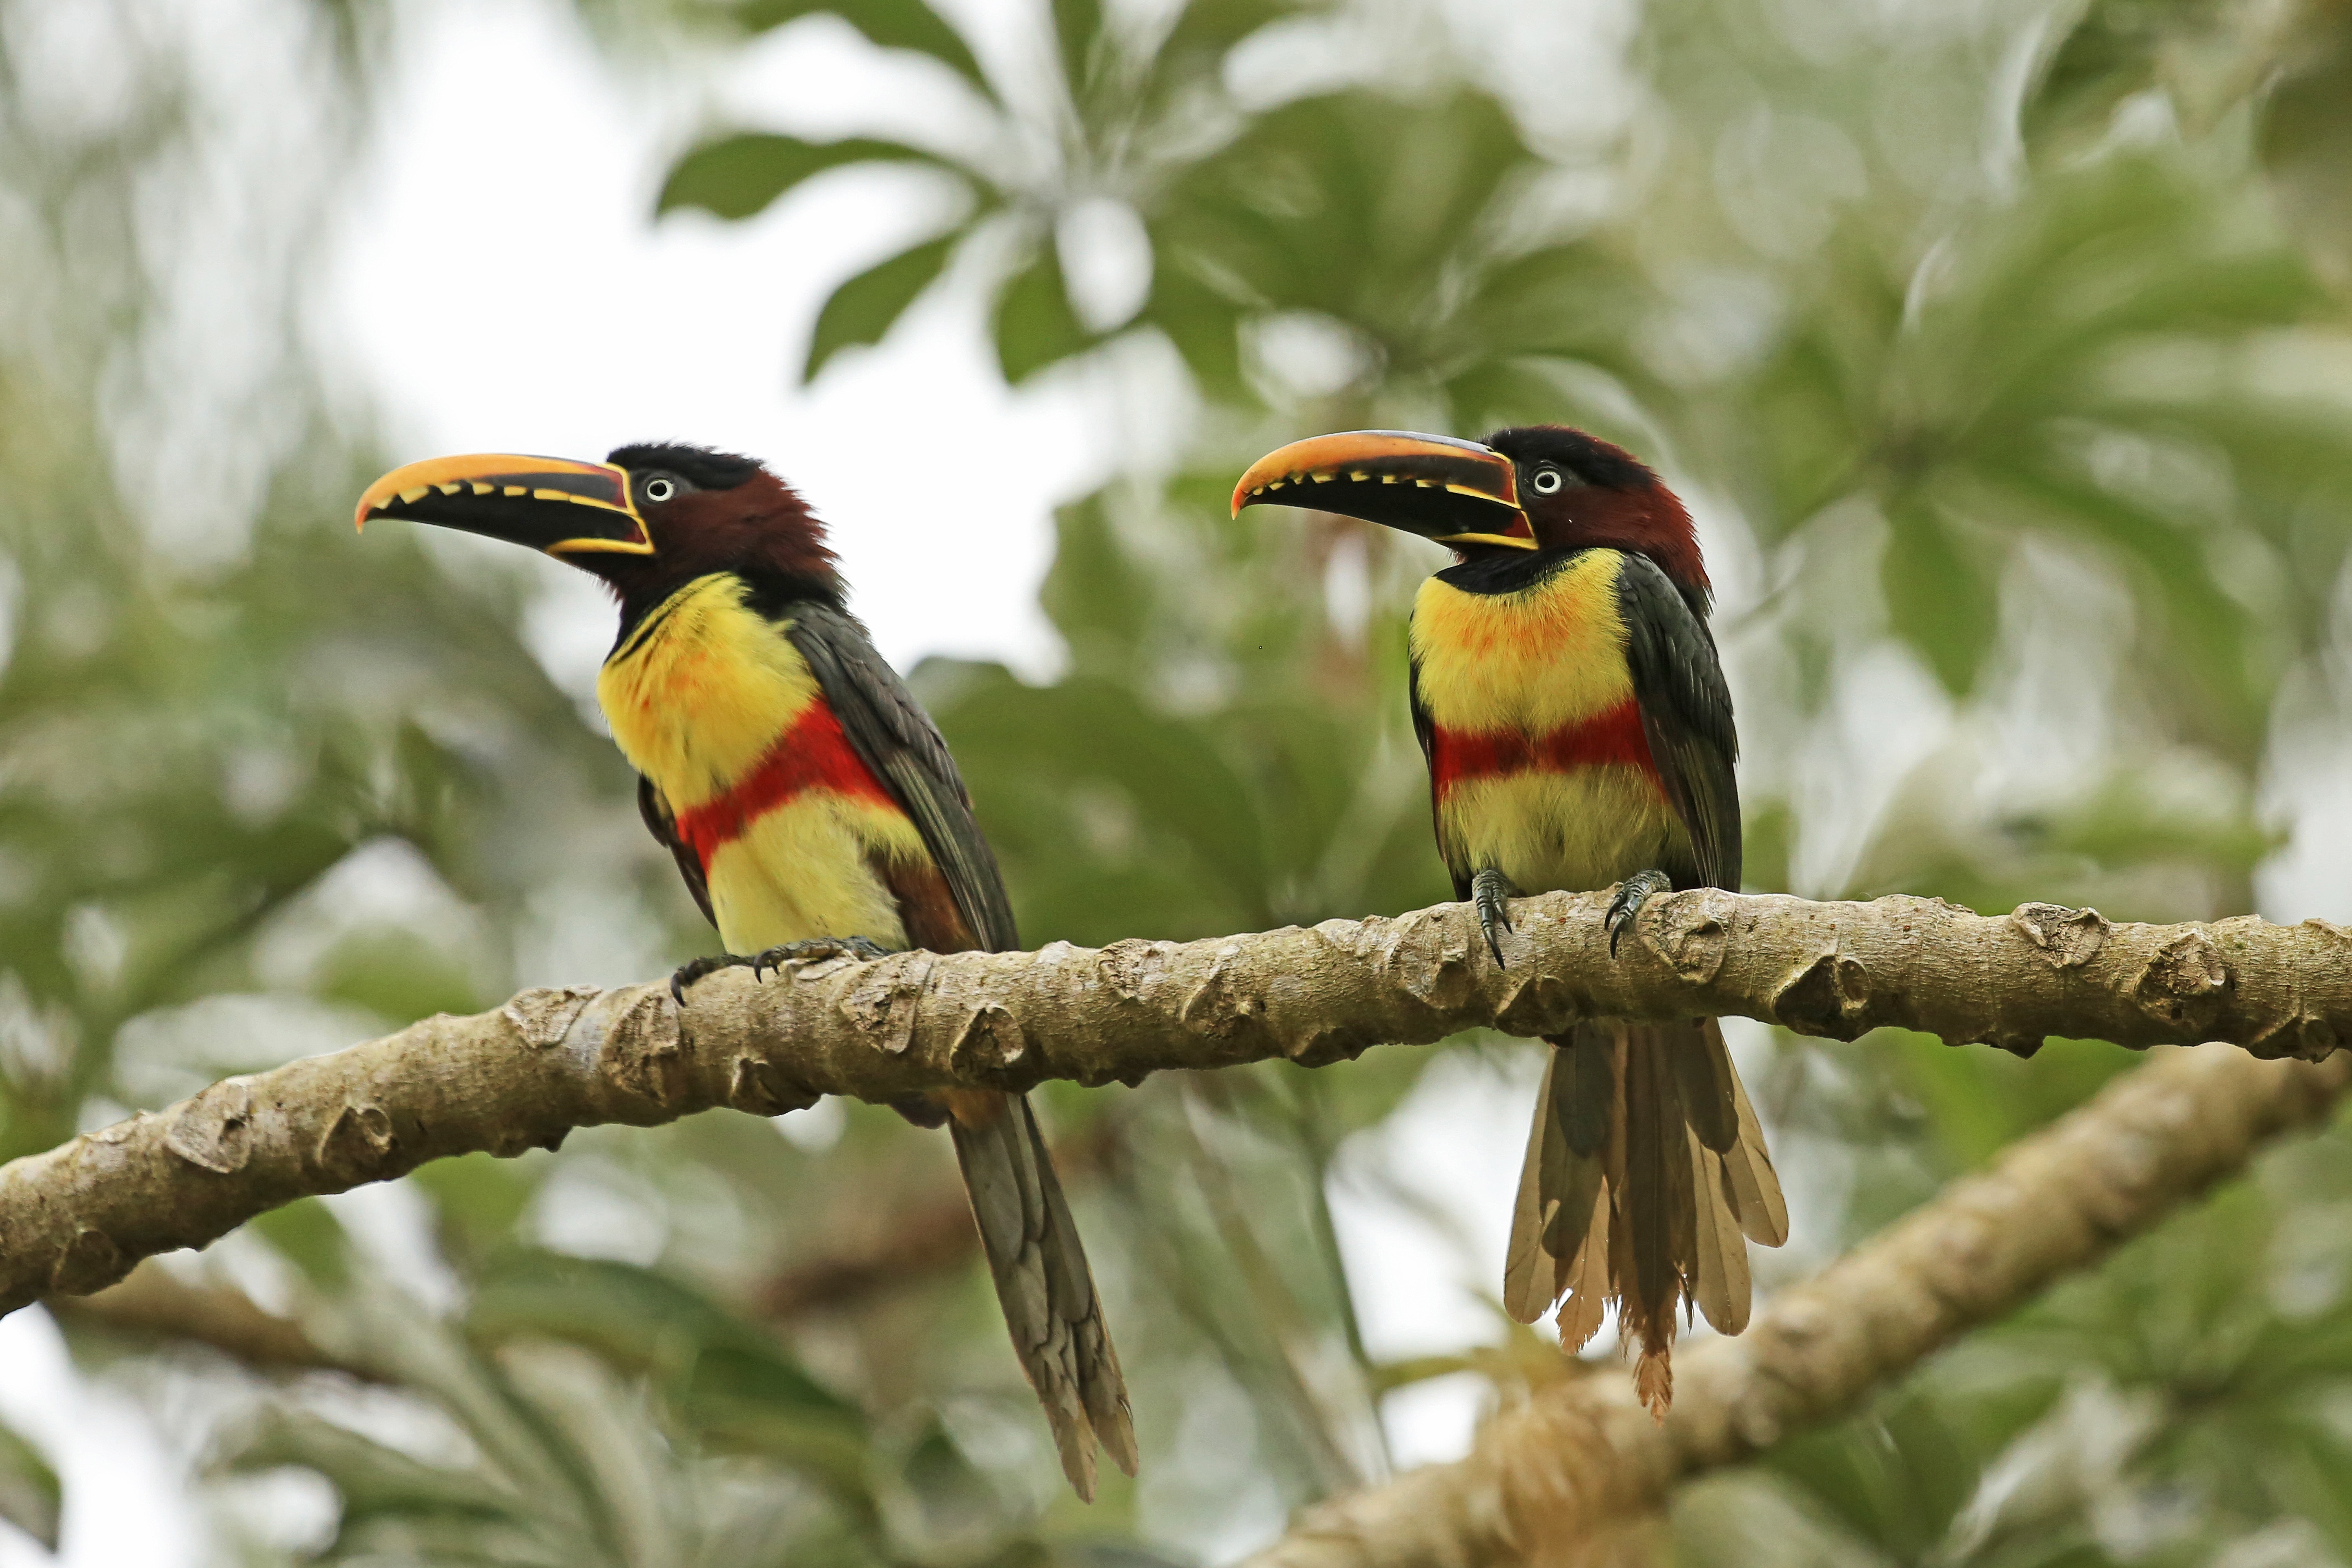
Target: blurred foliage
<point>1123,107</point>
<point>2000,348</point>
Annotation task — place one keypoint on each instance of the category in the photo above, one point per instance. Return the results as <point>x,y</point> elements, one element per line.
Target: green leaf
<point>754,1401</point>
<point>30,1497</point>
<point>1214,26</point>
<point>737,176</point>
<point>1941,597</point>
<point>1203,325</point>
<point>1200,859</point>
<point>1035,325</point>
<point>373,1481</point>
<point>2307,144</point>
<point>478,1199</point>
<point>307,1234</point>
<point>1078,34</point>
<point>1378,212</point>
<point>1095,595</point>
<point>887,24</point>
<point>639,1319</point>
<point>2110,54</point>
<point>864,310</point>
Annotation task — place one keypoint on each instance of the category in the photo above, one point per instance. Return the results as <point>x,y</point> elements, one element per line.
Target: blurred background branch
<point>1579,1472</point>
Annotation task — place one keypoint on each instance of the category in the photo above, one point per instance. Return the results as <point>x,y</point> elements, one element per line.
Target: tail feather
<point>1647,1176</point>
<point>1585,1279</point>
<point>1763,1212</point>
<point>1043,1282</point>
<point>1709,1086</point>
<point>1654,1250</point>
<point>1558,1190</point>
<point>1720,1284</point>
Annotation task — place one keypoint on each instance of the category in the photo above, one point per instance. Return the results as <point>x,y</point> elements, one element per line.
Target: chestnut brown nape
<point>734,516</point>
<point>1614,501</point>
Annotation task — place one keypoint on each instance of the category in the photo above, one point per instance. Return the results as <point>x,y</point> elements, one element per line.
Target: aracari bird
<point>1579,734</point>
<point>810,804</point>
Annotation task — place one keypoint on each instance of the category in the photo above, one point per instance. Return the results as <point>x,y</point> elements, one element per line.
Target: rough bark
<point>1575,1475</point>
<point>77,1218</point>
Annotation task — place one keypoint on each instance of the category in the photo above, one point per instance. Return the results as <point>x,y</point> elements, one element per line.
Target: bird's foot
<point>864,949</point>
<point>687,976</point>
<point>1488,890</point>
<point>1631,893</point>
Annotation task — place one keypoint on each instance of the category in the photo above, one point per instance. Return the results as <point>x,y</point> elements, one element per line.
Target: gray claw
<point>685,976</point>
<point>866,950</point>
<point>1631,893</point>
<point>1489,891</point>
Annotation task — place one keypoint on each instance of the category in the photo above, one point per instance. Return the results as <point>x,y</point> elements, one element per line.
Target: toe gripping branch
<point>866,950</point>
<point>1489,893</point>
<point>1631,893</point>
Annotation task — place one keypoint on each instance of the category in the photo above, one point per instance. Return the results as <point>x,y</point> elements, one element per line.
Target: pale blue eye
<point>1547,481</point>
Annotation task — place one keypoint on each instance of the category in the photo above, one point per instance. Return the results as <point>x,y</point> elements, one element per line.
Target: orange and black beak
<point>1455,493</point>
<point>547,503</point>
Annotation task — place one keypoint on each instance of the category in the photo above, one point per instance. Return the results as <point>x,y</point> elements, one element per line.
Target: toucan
<point>1578,734</point>
<point>811,807</point>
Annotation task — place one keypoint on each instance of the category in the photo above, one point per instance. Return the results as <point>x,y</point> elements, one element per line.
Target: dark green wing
<point>662,823</point>
<point>1687,714</point>
<point>895,737</point>
<point>1423,726</point>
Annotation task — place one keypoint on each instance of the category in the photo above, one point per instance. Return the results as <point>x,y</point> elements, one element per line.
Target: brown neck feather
<point>761,530</point>
<point>1650,520</point>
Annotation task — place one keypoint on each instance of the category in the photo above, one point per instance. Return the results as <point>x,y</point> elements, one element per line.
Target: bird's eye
<point>660,487</point>
<point>1547,480</point>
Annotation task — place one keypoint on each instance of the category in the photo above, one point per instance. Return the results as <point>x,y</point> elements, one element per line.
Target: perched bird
<point>1577,730</point>
<point>810,801</point>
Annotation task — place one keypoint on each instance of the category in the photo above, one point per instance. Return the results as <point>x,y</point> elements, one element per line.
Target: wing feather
<point>1687,716</point>
<point>895,737</point>
<point>662,823</point>
<point>1034,1256</point>
<point>1424,730</point>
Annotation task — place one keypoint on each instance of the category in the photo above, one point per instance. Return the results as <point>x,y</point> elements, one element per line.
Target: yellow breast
<point>701,689</point>
<point>1547,656</point>
<point>708,698</point>
<point>1575,830</point>
<point>811,867</point>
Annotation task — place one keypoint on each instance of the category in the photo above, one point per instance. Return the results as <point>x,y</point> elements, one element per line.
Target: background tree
<point>2001,349</point>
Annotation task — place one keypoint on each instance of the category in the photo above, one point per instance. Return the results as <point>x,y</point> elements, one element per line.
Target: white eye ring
<point>1547,481</point>
<point>660,490</point>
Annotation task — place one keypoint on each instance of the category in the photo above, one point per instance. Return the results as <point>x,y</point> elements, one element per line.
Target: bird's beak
<point>1455,493</point>
<point>547,503</point>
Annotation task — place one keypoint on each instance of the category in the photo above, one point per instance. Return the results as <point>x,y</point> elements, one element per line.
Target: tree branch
<point>1570,1476</point>
<point>76,1218</point>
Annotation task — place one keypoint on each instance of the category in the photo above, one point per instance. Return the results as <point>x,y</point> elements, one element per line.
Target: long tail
<point>1042,1280</point>
<point>1646,1177</point>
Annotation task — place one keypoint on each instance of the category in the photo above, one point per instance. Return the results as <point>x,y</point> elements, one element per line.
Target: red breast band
<point>813,753</point>
<point>1465,756</point>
